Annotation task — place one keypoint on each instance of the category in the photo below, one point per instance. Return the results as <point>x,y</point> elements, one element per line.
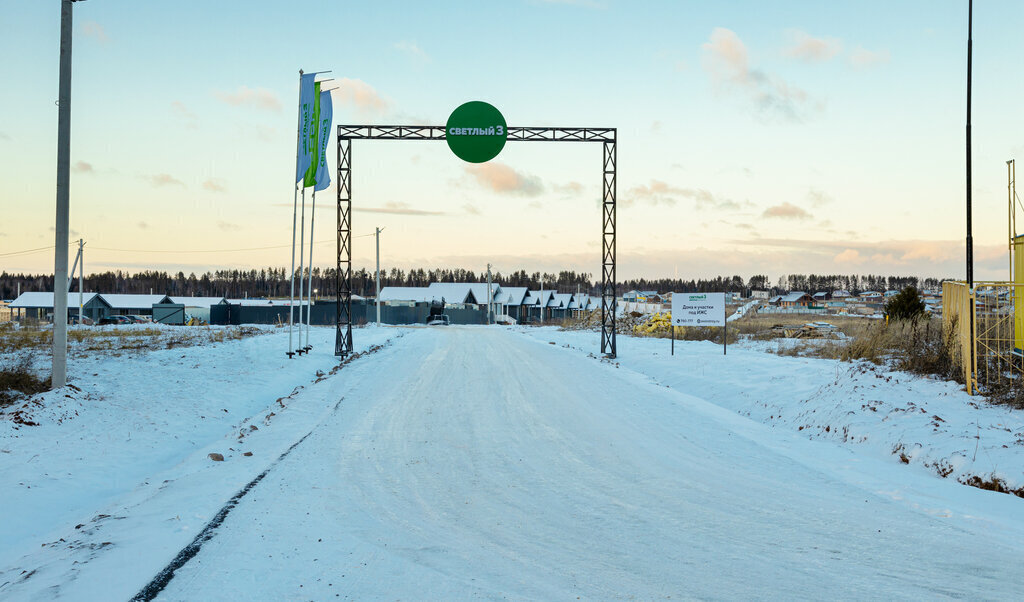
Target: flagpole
<point>302,256</point>
<point>298,138</point>
<point>309,288</point>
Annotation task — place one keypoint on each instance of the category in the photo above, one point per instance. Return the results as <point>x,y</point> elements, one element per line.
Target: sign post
<point>699,309</point>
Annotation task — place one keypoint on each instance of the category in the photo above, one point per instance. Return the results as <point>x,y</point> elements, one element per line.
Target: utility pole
<point>377,235</point>
<point>81,277</point>
<point>542,298</point>
<point>489,297</point>
<point>60,255</point>
<point>970,241</point>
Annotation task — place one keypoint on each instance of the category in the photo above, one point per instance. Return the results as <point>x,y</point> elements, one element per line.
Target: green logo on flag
<point>476,132</point>
<point>312,125</point>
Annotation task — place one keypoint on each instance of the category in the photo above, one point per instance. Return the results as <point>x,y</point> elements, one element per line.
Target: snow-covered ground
<point>506,462</point>
<point>931,424</point>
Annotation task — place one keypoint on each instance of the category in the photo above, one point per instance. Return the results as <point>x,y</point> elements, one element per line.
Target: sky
<point>753,138</point>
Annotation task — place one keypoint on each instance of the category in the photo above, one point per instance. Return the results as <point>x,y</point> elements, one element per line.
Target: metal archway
<point>348,133</point>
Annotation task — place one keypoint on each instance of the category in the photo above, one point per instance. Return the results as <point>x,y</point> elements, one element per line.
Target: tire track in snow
<point>152,589</point>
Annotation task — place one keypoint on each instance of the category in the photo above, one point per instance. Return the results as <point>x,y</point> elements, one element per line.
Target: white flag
<point>323,174</point>
<point>307,96</point>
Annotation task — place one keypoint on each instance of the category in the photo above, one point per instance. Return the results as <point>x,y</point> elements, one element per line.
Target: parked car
<point>137,319</point>
<point>113,320</point>
<point>75,320</point>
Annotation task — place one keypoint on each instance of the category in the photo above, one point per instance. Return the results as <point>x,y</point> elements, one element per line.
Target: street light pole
<point>60,256</point>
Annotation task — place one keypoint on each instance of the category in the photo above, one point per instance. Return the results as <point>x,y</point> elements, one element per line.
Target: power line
<point>41,249</point>
<point>30,251</point>
<point>319,242</point>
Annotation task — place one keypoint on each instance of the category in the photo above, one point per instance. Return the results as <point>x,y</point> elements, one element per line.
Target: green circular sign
<point>476,132</point>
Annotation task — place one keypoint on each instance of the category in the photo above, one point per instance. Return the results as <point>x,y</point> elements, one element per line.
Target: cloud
<point>412,49</point>
<point>786,211</point>
<point>143,225</point>
<point>808,48</point>
<point>213,185</point>
<point>259,98</point>
<point>849,256</point>
<point>471,209</point>
<point>501,178</point>
<point>397,209</point>
<point>228,226</point>
<point>82,167</point>
<point>92,29</point>
<point>862,58</point>
<point>662,193</point>
<point>182,111</point>
<point>360,95</point>
<point>818,197</point>
<point>571,188</point>
<point>161,180</point>
<point>725,60</point>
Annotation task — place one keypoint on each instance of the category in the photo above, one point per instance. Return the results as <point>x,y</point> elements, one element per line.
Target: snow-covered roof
<point>794,297</point>
<point>512,295</point>
<point>460,292</point>
<point>127,301</point>
<point>406,293</point>
<point>562,300</point>
<point>198,301</point>
<point>43,299</point>
<point>534,298</point>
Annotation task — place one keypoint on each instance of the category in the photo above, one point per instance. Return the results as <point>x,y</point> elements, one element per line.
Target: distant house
<point>511,301</point>
<point>891,293</point>
<point>405,294</point>
<point>822,296</point>
<point>134,304</point>
<point>39,305</point>
<point>796,299</point>
<point>760,295</point>
<point>841,294</point>
<point>871,295</point>
<point>198,307</point>
<point>775,300</point>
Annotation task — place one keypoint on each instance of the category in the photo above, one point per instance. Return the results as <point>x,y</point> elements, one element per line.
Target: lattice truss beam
<point>348,133</point>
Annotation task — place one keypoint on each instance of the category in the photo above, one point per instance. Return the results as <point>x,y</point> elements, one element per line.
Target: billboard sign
<point>698,309</point>
<point>476,132</point>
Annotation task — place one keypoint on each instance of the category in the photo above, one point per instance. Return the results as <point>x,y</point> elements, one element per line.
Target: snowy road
<point>476,463</point>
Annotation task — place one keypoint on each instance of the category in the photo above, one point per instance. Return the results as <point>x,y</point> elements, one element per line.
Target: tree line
<point>274,282</point>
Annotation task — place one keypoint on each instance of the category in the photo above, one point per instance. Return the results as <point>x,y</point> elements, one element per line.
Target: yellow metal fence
<point>980,330</point>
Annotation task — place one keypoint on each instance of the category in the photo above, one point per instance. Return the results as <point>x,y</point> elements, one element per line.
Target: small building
<point>142,305</point>
<point>39,305</point>
<point>870,295</point>
<point>822,296</point>
<point>511,301</point>
<point>796,299</point>
<point>760,295</point>
<point>198,307</point>
<point>841,294</point>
